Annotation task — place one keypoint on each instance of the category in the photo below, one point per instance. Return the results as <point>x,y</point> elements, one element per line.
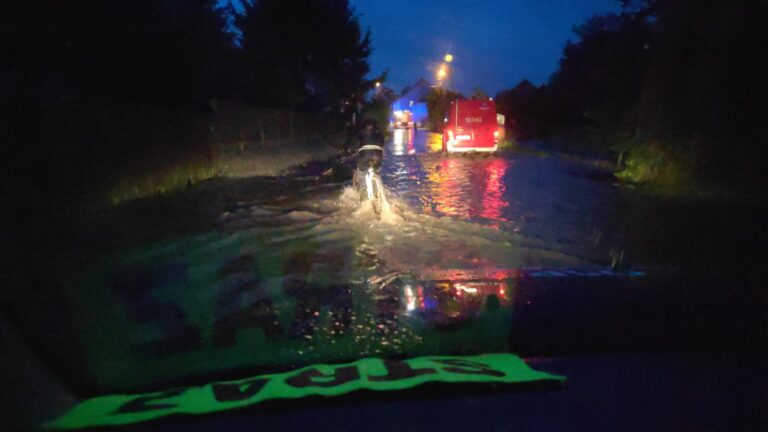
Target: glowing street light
<point>445,70</point>
<point>378,84</point>
<point>442,72</point>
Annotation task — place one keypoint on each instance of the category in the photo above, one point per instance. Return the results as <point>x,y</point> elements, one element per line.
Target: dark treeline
<point>298,54</point>
<point>88,87</point>
<point>96,92</point>
<point>149,51</point>
<point>673,89</point>
<point>303,53</point>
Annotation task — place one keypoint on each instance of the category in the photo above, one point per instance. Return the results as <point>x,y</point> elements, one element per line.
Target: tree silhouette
<point>303,53</point>
<point>679,81</point>
<point>479,94</point>
<point>519,106</point>
<point>601,75</point>
<point>438,102</point>
<point>165,51</point>
<point>704,90</point>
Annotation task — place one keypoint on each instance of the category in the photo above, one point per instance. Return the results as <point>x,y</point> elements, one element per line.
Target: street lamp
<point>448,59</point>
<point>442,72</point>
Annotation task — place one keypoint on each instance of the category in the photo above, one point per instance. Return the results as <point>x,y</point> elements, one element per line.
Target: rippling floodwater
<point>541,205</point>
<point>311,276</point>
<point>470,212</point>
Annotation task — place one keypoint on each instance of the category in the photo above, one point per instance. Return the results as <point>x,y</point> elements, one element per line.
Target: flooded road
<point>547,206</point>
<point>295,271</point>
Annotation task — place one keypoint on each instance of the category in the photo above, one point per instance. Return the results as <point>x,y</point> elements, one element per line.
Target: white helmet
<point>371,147</point>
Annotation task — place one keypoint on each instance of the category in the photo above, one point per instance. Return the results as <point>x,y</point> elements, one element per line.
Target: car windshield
<point>197,215</point>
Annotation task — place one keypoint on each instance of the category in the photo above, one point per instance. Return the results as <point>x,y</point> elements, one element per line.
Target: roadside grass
<point>160,181</point>
<point>661,171</point>
<point>509,145</point>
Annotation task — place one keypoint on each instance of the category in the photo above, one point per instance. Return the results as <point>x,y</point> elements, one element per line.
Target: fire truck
<point>471,126</point>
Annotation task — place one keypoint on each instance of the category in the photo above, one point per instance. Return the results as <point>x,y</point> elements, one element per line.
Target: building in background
<point>410,109</point>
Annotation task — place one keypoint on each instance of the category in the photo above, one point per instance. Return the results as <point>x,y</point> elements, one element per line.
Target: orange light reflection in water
<point>403,142</point>
<point>434,142</point>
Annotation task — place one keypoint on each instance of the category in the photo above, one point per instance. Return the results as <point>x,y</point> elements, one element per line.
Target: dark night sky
<point>496,43</point>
